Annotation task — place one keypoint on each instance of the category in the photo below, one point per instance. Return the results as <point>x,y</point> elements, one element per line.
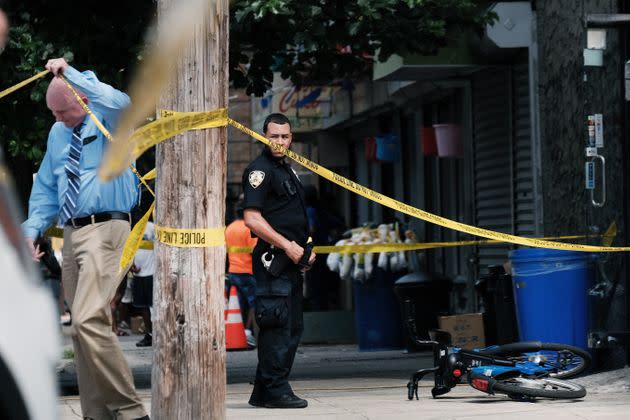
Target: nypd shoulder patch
<point>256,178</point>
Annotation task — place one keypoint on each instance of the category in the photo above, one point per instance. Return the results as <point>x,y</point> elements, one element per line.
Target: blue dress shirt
<point>51,182</point>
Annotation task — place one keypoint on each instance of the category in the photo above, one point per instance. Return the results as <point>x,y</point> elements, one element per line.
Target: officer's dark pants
<point>280,320</point>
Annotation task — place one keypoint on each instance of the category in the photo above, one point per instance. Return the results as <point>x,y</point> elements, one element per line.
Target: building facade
<point>520,98</point>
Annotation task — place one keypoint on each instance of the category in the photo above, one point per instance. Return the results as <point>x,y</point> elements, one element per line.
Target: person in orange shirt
<point>240,272</point>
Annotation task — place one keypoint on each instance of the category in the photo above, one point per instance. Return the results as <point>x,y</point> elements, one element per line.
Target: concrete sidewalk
<point>322,362</point>
<point>374,398</point>
<point>342,383</point>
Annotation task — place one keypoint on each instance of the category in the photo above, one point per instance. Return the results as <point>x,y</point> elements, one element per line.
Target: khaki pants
<point>91,255</point>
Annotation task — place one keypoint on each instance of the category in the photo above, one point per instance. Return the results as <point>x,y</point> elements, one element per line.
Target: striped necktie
<point>74,176</point>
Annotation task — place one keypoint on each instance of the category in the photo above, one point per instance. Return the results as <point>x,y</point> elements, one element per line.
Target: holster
<point>279,263</point>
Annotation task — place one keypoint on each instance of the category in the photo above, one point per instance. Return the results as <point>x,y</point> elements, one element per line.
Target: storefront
<point>520,165</point>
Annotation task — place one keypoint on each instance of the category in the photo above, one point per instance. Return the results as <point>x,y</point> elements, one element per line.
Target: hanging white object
<point>368,264</point>
<point>382,261</point>
<point>334,258</point>
<point>345,269</point>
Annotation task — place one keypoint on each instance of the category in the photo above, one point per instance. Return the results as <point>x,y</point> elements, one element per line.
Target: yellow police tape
<point>609,236</point>
<point>23,83</point>
<point>149,175</point>
<point>395,247</point>
<point>173,123</point>
<point>55,232</point>
<point>182,238</point>
<point>108,165</point>
<point>325,249</point>
<point>191,238</point>
<point>134,239</point>
<point>122,154</point>
<point>168,126</point>
<point>418,213</point>
<point>103,130</point>
<point>140,141</point>
<point>165,42</point>
<point>100,126</point>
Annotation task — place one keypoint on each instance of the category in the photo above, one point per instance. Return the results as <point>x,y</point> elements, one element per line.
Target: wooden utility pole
<point>188,374</point>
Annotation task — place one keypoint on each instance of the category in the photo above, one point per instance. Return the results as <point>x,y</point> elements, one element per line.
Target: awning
<point>448,62</point>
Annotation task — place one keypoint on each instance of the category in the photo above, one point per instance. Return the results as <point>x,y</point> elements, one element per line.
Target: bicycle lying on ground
<point>522,370</point>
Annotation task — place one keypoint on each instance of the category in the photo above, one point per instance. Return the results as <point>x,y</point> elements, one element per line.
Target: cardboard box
<point>466,330</point>
<point>137,325</point>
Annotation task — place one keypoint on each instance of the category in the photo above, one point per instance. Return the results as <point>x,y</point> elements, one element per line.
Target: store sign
<point>308,108</point>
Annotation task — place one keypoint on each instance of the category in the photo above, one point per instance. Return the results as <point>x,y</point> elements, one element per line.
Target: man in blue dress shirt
<point>96,219</point>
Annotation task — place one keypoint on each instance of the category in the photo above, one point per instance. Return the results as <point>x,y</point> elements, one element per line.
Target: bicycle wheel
<point>539,387</point>
<point>560,360</point>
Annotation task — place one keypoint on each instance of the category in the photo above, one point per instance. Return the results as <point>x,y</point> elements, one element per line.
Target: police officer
<point>275,211</point>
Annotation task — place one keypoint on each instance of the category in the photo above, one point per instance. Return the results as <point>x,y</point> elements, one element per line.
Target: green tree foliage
<point>308,41</point>
<point>102,36</point>
<point>318,41</point>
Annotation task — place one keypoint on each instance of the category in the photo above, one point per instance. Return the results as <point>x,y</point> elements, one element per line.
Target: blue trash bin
<point>377,313</point>
<point>551,295</point>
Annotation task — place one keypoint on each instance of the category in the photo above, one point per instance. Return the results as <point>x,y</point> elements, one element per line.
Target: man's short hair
<point>275,118</point>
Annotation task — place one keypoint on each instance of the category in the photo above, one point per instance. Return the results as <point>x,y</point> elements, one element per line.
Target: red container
<point>370,149</point>
<point>427,137</point>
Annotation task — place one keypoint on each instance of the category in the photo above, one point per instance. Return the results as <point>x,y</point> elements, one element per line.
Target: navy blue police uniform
<point>272,187</point>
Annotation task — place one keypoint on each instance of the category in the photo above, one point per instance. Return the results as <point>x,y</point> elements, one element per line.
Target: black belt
<point>79,222</point>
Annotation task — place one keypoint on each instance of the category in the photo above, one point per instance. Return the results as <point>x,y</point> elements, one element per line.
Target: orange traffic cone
<point>234,330</point>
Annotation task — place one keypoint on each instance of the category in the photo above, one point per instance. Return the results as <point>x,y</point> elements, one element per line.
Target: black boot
<point>147,341</point>
<point>287,401</point>
<point>258,397</point>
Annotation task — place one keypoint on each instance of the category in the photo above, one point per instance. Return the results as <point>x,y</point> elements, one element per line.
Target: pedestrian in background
<point>121,318</point>
<point>96,219</point>
<point>240,272</point>
<point>143,268</point>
